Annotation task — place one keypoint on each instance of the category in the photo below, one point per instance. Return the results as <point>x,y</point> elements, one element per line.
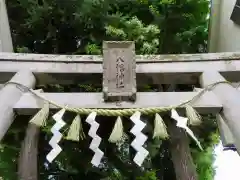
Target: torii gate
<point>181,69</point>
<point>29,69</point>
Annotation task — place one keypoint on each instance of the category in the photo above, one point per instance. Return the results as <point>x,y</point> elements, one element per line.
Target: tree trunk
<point>181,155</point>
<point>28,166</point>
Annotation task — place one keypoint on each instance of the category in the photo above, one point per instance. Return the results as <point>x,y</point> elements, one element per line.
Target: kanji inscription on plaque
<point>119,70</point>
<point>120,73</point>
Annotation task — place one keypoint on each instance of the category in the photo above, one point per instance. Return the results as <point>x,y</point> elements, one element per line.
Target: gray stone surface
<point>9,95</point>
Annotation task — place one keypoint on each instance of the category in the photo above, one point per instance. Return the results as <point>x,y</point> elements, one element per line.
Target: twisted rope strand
<point>118,112</point>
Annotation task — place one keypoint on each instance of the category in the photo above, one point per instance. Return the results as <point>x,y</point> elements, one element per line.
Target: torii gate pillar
<point>230,98</point>
<point>5,33</point>
<point>9,96</point>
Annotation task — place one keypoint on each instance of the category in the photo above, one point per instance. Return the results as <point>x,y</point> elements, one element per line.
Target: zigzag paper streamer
<point>139,140</point>
<point>94,146</point>
<point>57,136</point>
<point>182,123</point>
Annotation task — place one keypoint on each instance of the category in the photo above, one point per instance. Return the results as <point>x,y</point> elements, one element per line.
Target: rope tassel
<point>76,131</point>
<point>160,129</point>
<point>194,118</point>
<point>41,117</point>
<point>117,132</point>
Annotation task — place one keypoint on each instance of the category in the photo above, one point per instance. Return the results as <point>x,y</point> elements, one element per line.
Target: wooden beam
<point>179,147</point>
<point>5,33</point>
<point>29,104</point>
<point>9,95</point>
<point>230,98</point>
<point>65,69</point>
<point>28,160</point>
<point>28,156</point>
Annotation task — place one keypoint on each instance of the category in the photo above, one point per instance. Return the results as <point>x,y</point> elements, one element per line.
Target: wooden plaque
<point>119,71</point>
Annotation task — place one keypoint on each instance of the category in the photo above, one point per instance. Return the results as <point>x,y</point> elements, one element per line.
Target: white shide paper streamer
<point>182,123</point>
<point>94,146</point>
<point>139,140</point>
<point>57,136</point>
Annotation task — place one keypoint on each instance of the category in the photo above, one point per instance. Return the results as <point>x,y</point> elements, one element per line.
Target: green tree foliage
<point>157,26</point>
<point>79,27</point>
<point>7,162</point>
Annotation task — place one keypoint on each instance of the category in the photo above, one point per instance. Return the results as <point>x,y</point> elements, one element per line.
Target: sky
<point>227,164</point>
